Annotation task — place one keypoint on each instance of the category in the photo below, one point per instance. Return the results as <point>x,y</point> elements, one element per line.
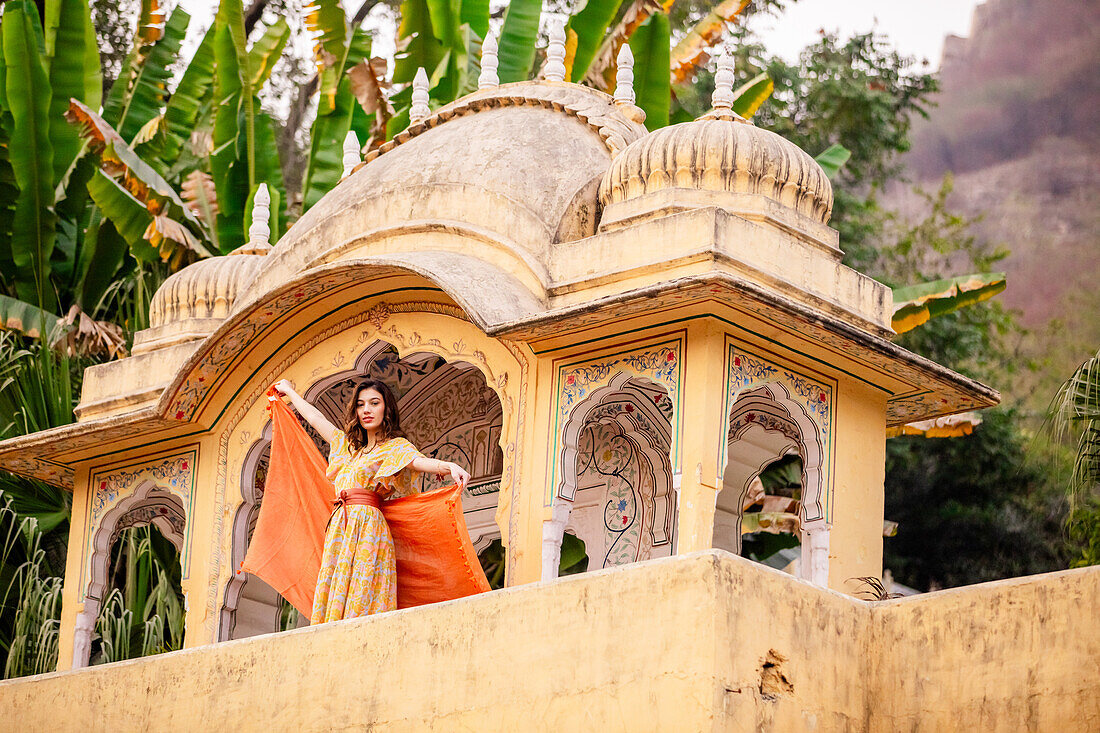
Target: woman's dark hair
<point>391,422</point>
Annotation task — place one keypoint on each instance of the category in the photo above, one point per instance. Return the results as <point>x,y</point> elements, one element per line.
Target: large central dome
<point>517,165</point>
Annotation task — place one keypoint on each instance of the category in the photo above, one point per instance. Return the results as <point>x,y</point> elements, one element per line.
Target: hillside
<point>1017,124</point>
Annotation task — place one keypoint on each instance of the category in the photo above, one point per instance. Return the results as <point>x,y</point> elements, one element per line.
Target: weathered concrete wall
<point>705,642</point>
<point>1014,655</point>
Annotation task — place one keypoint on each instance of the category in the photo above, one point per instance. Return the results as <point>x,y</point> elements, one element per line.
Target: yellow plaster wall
<point>859,473</point>
<point>722,644</point>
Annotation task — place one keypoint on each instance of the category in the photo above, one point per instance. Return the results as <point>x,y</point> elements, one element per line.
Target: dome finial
<point>420,109</point>
<point>722,99</point>
<point>624,76</point>
<point>554,70</point>
<point>489,63</point>
<point>259,233</point>
<point>351,153</point>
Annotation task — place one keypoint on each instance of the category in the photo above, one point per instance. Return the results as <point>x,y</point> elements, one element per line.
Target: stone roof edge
<point>871,342</point>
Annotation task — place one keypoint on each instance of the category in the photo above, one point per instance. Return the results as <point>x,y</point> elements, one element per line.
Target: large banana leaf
<point>327,21</point>
<point>9,191</point>
<point>444,16</point>
<point>129,216</point>
<point>475,13</point>
<point>187,102</point>
<point>649,45</point>
<point>74,73</point>
<point>601,72</point>
<point>100,258</point>
<point>748,97</point>
<point>233,162</point>
<point>22,317</point>
<point>27,95</point>
<point>327,135</point>
<point>949,426</point>
<point>833,158</point>
<point>590,25</point>
<point>140,181</point>
<point>915,304</point>
<point>266,51</point>
<point>516,47</point>
<point>692,48</point>
<point>149,30</point>
<point>421,47</point>
<point>149,83</point>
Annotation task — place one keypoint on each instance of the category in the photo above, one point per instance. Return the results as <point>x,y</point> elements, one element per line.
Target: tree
<point>1075,411</point>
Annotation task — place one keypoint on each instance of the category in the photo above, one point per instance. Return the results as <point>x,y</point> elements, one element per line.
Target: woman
<point>369,461</point>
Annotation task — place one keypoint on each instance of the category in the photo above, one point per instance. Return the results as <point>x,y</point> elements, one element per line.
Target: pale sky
<point>915,28</point>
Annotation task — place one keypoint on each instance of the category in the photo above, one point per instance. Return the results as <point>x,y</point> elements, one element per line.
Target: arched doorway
<point>148,505</point>
<point>766,429</point>
<point>616,495</point>
<point>448,411</point>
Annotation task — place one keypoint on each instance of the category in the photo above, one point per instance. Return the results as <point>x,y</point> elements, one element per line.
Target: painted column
<point>702,433</point>
<point>855,538</point>
<point>71,592</point>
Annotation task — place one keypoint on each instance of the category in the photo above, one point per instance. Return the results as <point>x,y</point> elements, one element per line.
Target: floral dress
<point>358,575</point>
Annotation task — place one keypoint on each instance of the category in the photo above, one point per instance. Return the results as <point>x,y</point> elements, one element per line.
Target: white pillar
<point>553,531</point>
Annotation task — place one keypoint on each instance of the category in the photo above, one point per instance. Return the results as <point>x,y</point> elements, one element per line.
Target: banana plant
<point>444,38</point>
<point>916,304</point>
<point>40,239</point>
<point>338,50</point>
<point>245,154</point>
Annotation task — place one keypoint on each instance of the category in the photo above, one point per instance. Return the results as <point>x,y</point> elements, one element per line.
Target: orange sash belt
<point>355,497</point>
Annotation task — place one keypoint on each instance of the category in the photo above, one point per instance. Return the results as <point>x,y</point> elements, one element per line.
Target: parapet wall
<point>704,642</point>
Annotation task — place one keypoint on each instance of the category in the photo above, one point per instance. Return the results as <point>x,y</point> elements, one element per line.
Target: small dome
<point>205,289</point>
<point>720,153</point>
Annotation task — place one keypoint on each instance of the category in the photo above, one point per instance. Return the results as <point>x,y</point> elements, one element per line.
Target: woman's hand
<point>284,387</point>
<point>458,474</point>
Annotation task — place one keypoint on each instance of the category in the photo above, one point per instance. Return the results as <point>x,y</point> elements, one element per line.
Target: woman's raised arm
<point>312,415</point>
<point>458,474</point>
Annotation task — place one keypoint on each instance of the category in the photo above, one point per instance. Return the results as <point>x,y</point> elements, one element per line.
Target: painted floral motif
<point>765,420</point>
<point>747,371</point>
<point>217,358</point>
<point>174,475</point>
<point>659,363</point>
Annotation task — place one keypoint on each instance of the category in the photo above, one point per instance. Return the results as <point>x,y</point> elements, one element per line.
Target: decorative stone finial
<point>259,233</point>
<point>351,153</point>
<point>624,76</point>
<point>420,109</point>
<point>488,77</point>
<point>554,70</point>
<point>722,99</point>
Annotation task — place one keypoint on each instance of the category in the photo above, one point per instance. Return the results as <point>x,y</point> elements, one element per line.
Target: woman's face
<point>370,408</point>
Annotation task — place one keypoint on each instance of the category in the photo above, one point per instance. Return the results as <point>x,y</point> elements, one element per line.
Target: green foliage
<point>27,100</point>
<point>971,509</point>
<point>833,158</point>
<point>650,44</point>
<point>30,597</point>
<point>1076,411</point>
<point>591,24</point>
<point>516,50</point>
<point>143,612</point>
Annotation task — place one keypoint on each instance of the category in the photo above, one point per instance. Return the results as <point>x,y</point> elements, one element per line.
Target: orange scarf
<point>435,558</point>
